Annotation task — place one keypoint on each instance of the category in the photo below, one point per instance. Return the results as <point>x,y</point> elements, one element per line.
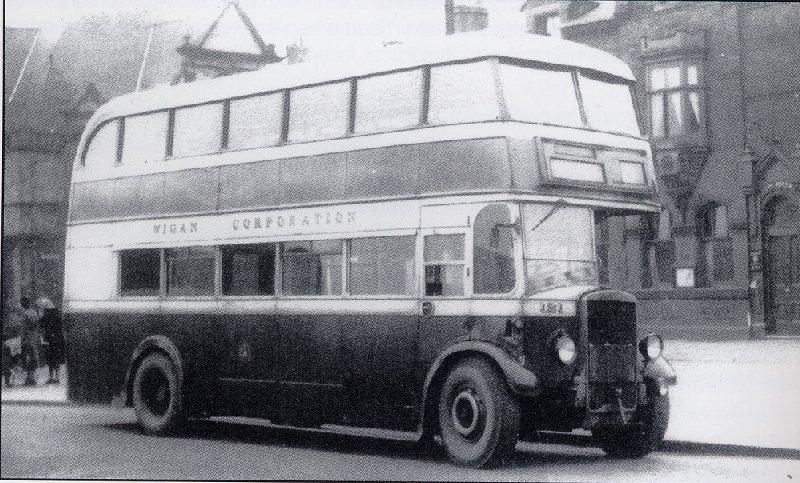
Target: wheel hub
<point>466,412</point>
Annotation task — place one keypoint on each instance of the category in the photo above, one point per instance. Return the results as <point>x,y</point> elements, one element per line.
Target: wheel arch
<point>151,344</point>
<point>519,379</point>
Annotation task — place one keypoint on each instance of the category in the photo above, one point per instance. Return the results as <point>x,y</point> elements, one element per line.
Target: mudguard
<point>520,380</point>
<point>154,342</point>
<point>659,369</point>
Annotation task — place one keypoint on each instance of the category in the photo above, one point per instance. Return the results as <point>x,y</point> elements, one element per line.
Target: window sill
<point>694,293</point>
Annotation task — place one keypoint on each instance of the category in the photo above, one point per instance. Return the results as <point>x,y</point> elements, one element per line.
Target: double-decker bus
<point>403,243</point>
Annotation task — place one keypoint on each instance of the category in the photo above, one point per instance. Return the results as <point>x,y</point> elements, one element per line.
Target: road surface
<point>98,442</point>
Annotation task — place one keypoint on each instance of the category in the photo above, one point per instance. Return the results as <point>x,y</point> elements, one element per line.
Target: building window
<point>548,24</point>
<point>676,107</point>
<point>715,249</point>
<point>658,250</point>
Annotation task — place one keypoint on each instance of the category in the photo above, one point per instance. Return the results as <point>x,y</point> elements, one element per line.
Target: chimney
<point>465,18</point>
<point>296,53</point>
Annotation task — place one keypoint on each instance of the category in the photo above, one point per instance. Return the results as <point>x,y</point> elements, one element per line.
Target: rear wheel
<point>157,395</point>
<point>478,415</point>
<point>643,436</point>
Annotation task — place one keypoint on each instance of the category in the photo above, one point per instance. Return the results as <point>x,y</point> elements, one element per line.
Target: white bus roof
<point>453,48</point>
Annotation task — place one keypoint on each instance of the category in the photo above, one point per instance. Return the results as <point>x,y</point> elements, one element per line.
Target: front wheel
<point>642,437</point>
<point>479,417</point>
<point>157,395</point>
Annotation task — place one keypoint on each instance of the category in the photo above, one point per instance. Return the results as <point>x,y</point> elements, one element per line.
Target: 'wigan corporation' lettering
<point>276,222</point>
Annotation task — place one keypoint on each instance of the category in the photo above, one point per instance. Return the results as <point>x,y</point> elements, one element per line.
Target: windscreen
<point>559,246</point>
<point>548,95</point>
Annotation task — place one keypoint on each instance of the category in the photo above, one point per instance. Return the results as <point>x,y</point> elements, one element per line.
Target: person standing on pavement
<point>31,340</point>
<point>53,337</point>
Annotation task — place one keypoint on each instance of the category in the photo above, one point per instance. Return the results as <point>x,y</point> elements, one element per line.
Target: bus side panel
<point>435,335</point>
<point>379,353</point>
<point>99,348</point>
<point>311,389</point>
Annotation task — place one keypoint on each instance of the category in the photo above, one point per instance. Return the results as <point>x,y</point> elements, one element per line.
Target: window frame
<point>424,99</point>
<point>224,105</point>
<point>120,132</point>
<point>684,89</point>
<point>124,296</point>
<point>343,265</point>
<point>399,234</point>
<point>284,121</point>
<point>517,247</point>
<point>215,275</point>
<point>708,240</point>
<point>351,87</point>
<point>467,268</point>
<point>167,141</point>
<point>276,280</point>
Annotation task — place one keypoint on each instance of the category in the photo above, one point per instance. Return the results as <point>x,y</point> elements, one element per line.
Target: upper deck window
<point>538,95</point>
<point>463,93</point>
<point>388,102</point>
<point>198,130</point>
<point>319,112</point>
<point>256,121</point>
<point>145,138</point>
<point>102,150</point>
<point>609,106</point>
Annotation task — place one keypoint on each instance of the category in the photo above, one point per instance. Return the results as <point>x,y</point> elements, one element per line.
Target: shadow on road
<point>322,440</point>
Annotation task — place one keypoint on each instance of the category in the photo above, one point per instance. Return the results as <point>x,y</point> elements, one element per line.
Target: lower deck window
<point>248,270</point>
<point>190,271</point>
<point>444,265</point>
<point>139,272</point>
<point>312,267</point>
<point>381,266</point>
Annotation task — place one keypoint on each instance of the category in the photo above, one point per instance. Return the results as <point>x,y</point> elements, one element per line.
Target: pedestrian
<point>31,340</point>
<point>53,337</point>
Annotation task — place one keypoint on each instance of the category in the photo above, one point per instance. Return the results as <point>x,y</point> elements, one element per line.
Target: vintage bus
<point>404,242</point>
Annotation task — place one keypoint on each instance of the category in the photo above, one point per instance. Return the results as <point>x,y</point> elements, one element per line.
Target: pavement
<point>737,394</point>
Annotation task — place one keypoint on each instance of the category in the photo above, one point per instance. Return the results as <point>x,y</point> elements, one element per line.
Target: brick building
<point>718,94</point>
<point>53,87</point>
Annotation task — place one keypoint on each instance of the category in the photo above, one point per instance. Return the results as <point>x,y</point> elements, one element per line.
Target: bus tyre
<point>479,417</point>
<point>157,395</point>
<point>642,437</point>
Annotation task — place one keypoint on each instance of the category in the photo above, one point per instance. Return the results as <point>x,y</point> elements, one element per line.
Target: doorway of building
<point>782,267</point>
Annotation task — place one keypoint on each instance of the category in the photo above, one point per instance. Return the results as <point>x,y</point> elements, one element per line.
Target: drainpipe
<point>751,196</point>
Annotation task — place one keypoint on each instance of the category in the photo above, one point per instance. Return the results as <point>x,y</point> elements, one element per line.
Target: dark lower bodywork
<point>369,370</point>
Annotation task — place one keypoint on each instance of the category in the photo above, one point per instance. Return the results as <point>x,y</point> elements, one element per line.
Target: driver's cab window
<point>493,248</point>
<point>444,265</point>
